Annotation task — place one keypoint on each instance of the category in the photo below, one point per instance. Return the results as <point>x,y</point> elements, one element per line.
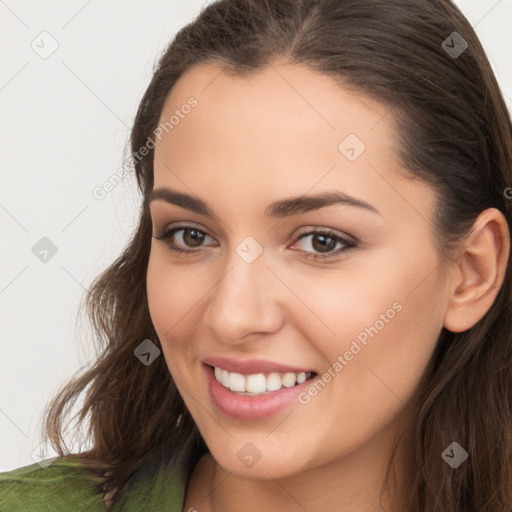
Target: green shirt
<point>65,486</point>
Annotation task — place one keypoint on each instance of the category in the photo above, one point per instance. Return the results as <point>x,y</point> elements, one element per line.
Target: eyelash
<point>166,236</point>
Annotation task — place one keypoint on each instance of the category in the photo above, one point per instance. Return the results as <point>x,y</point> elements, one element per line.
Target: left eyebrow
<point>282,208</point>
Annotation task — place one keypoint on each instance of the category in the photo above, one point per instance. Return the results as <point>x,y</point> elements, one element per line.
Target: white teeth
<point>289,379</point>
<point>255,383</point>
<point>236,382</point>
<point>258,383</point>
<point>224,378</point>
<point>274,382</point>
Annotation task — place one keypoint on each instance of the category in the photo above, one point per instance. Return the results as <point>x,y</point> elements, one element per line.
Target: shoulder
<point>59,485</point>
<point>154,488</point>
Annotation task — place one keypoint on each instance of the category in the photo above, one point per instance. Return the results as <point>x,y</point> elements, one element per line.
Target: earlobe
<point>481,270</point>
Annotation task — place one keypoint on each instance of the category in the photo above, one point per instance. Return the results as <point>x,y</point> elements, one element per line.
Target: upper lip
<point>252,366</point>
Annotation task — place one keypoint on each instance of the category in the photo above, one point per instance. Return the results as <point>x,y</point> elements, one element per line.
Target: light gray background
<point>65,123</point>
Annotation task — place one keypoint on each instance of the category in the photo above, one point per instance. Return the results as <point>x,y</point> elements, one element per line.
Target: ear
<point>480,271</point>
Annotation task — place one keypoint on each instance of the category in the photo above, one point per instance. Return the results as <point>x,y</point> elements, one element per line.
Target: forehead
<point>283,130</point>
<point>292,101</point>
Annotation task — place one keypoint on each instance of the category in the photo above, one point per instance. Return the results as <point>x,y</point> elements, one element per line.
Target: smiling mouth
<point>259,383</point>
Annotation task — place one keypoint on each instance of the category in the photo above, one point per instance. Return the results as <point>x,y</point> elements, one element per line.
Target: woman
<point>314,312</point>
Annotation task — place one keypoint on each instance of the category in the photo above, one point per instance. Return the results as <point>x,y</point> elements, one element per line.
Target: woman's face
<point>363,321</point>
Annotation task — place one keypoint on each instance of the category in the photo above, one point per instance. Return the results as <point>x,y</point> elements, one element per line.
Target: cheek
<point>172,291</point>
<point>398,295</point>
<point>336,307</point>
<point>171,299</point>
<point>379,384</point>
<point>161,295</point>
<point>384,324</point>
<point>176,297</point>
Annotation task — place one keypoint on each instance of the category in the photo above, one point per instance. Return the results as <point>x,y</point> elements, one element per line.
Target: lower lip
<point>247,407</point>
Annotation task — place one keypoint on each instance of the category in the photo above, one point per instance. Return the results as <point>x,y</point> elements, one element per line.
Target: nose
<point>245,301</point>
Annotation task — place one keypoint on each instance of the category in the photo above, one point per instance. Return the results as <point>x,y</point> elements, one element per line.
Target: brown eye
<point>323,243</point>
<point>190,238</point>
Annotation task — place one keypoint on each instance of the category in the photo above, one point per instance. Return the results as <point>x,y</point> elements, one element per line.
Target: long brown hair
<point>454,132</point>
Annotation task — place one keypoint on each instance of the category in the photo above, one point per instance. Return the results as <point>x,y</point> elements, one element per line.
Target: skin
<point>254,140</point>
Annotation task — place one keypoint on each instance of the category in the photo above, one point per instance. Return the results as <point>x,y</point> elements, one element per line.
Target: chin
<point>246,460</point>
